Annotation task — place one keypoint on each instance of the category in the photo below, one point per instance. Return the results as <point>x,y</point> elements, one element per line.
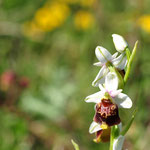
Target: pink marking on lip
<point>106,90</point>
<point>110,93</point>
<point>112,96</point>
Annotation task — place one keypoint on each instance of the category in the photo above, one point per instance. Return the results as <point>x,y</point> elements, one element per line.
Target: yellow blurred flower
<point>32,30</point>
<point>83,20</point>
<point>144,22</point>
<point>51,16</point>
<point>87,3</point>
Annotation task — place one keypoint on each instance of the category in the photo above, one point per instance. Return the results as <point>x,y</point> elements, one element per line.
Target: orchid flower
<point>106,60</point>
<point>110,91</point>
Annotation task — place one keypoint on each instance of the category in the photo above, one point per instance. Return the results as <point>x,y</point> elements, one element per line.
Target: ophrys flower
<point>106,60</point>
<point>108,100</point>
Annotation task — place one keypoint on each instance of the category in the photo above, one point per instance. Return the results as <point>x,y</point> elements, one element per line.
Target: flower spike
<point>111,79</point>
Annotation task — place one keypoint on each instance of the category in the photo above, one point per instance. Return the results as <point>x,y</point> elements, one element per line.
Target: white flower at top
<point>110,91</point>
<point>106,59</point>
<point>119,42</point>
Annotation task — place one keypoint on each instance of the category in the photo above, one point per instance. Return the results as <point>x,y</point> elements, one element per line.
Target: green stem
<point>114,134</point>
<point>111,138</point>
<point>130,62</point>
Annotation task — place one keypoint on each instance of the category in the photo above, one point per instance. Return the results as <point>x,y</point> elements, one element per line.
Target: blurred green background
<point>47,51</point>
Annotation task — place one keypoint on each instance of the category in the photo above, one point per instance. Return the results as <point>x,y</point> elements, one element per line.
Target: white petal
<point>120,62</point>
<point>118,143</point>
<point>119,42</point>
<point>97,64</point>
<point>100,78</point>
<point>114,55</point>
<point>102,54</point>
<point>95,98</point>
<point>94,127</point>
<point>111,82</point>
<point>102,88</point>
<point>115,93</point>
<point>123,101</point>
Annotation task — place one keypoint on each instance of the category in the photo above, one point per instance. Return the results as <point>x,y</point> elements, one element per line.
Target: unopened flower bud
<point>119,42</point>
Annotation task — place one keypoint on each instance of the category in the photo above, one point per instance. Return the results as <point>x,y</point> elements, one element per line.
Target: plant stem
<point>111,138</point>
<point>115,131</point>
<point>114,134</point>
<point>130,62</point>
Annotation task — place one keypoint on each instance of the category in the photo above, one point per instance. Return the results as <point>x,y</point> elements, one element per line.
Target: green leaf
<point>76,147</point>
